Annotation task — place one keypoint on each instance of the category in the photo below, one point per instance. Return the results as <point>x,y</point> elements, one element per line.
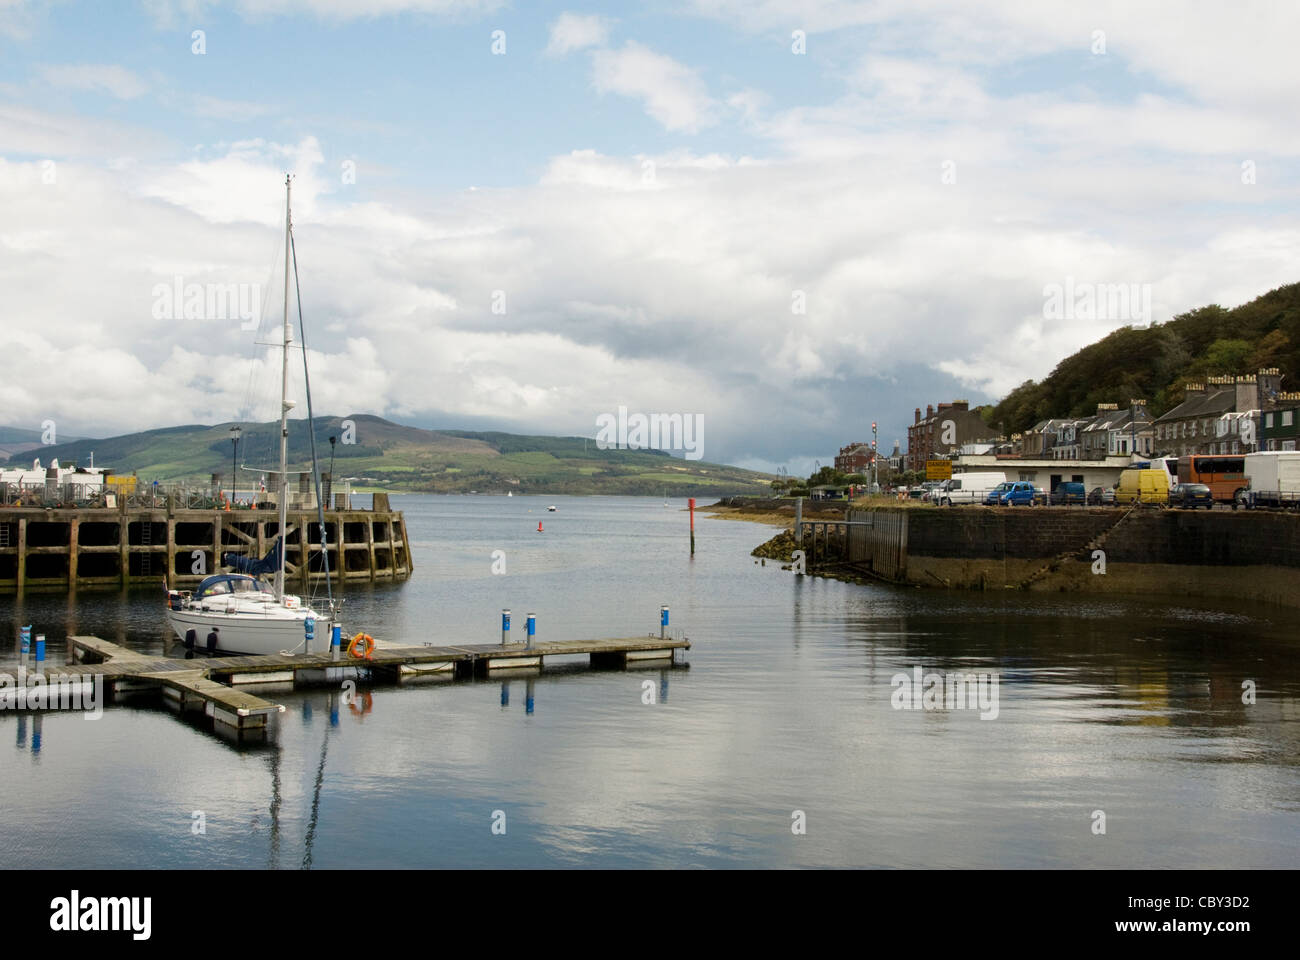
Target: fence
<point>129,492</point>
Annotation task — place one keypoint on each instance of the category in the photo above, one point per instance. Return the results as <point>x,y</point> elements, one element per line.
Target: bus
<point>1224,475</point>
<point>1168,464</point>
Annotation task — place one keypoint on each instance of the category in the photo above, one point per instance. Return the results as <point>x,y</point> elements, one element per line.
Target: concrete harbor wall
<point>88,548</point>
<point>1250,555</point>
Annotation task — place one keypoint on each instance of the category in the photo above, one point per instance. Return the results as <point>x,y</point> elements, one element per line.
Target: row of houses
<point>1220,415</point>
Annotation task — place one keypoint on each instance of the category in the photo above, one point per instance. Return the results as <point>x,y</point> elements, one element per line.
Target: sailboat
<point>237,612</point>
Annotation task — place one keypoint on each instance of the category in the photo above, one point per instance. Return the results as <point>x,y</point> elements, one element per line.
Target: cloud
<point>666,279</point>
<point>168,14</point>
<point>219,109</point>
<point>672,93</point>
<point>573,31</point>
<point>15,19</point>
<point>114,80</point>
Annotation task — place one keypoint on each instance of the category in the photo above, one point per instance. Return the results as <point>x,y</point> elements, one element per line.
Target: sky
<point>786,219</point>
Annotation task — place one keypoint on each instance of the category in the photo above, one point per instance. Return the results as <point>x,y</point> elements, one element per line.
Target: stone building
<point>943,431</point>
<point>1204,421</point>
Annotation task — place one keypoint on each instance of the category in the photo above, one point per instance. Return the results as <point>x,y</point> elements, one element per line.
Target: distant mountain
<point>18,440</point>
<point>383,455</point>
<point>1154,363</point>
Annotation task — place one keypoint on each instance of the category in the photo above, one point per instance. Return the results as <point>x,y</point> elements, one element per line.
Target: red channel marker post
<point>692,505</point>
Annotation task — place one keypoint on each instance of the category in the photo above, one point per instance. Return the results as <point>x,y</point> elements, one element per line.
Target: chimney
<point>1268,386</point>
<point>1192,391</point>
<point>918,415</point>
<point>929,410</point>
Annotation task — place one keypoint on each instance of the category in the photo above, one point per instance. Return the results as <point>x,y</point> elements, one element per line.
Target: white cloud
<point>673,93</point>
<point>574,31</point>
<point>109,78</point>
<point>220,109</point>
<point>170,13</point>
<point>1254,33</point>
<point>15,19</point>
<point>662,280</point>
<point>232,187</point>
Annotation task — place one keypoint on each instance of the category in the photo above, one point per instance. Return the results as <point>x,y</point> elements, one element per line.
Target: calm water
<point>1131,707</point>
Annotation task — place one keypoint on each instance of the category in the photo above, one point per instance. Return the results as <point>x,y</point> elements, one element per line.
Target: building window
<point>1287,417</point>
<point>1268,420</point>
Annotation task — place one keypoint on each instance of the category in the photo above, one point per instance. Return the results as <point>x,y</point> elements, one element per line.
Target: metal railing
<point>179,495</point>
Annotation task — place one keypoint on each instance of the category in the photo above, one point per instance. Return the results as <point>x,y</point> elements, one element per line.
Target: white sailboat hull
<point>251,631</point>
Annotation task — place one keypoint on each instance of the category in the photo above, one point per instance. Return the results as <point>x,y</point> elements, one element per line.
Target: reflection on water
<point>1132,706</point>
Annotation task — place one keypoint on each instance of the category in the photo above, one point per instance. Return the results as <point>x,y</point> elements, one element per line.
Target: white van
<point>967,488</point>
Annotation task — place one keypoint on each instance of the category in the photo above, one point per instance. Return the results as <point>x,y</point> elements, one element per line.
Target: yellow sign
<point>120,481</point>
<point>938,469</point>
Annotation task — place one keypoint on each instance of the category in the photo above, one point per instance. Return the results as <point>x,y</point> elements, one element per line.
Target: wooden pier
<point>211,685</point>
<point>110,548</point>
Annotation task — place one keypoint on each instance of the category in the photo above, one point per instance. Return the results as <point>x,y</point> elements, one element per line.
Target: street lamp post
<point>234,450</point>
<point>875,466</point>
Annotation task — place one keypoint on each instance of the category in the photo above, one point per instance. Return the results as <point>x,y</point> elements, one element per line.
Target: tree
<point>1269,352</point>
<point>1227,356</point>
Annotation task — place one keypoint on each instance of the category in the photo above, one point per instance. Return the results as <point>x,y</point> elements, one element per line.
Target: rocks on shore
<point>779,547</point>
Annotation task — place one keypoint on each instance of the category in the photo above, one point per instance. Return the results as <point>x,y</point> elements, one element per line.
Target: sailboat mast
<point>284,405</point>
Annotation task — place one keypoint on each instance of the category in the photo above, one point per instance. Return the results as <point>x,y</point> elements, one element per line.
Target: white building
<point>86,480</point>
<point>1047,473</point>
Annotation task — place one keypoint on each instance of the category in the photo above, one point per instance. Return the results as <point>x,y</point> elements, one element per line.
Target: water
<point>1132,707</point>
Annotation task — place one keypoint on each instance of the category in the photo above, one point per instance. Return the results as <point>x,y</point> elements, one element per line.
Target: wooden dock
<point>91,548</point>
<point>212,684</point>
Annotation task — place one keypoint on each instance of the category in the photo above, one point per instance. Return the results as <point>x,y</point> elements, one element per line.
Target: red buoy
<point>539,526</point>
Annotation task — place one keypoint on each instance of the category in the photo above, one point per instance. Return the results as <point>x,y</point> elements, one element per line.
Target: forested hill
<point>1154,363</point>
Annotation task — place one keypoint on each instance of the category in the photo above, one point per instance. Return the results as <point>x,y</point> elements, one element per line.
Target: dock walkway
<point>211,684</point>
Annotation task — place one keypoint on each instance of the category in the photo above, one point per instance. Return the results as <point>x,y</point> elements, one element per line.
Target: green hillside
<point>1154,363</point>
<point>389,456</point>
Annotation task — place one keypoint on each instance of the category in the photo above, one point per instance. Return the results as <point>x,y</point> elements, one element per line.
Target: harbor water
<point>1127,732</point>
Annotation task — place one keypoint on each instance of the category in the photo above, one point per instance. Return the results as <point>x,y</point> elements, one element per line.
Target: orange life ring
<point>367,644</point>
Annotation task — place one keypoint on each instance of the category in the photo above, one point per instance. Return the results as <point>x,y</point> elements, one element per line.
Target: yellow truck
<point>1143,486</point>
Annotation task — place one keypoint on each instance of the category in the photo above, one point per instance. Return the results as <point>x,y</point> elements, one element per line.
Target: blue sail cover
<point>251,565</point>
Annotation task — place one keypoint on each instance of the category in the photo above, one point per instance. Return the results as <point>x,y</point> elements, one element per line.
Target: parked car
<point>1101,497</point>
<point>1069,492</point>
<point>1022,493</point>
<point>994,497</point>
<point>1191,495</point>
<point>931,489</point>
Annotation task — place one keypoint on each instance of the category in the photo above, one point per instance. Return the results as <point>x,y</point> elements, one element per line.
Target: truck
<point>967,488</point>
<point>1274,479</point>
